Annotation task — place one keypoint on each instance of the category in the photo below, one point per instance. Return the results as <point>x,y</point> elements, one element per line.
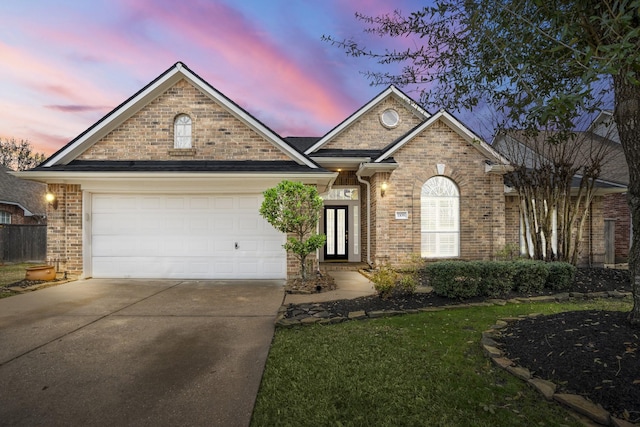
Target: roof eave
<point>370,169</point>
<point>341,162</point>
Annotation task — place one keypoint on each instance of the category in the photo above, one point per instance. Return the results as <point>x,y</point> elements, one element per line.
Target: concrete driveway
<point>135,352</point>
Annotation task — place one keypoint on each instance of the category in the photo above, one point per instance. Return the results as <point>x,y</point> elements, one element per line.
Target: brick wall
<point>369,134</point>
<point>17,215</point>
<point>482,202</point>
<point>64,228</point>
<point>216,133</point>
<point>616,208</point>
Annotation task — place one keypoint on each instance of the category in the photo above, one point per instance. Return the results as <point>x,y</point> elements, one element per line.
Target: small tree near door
<point>294,208</point>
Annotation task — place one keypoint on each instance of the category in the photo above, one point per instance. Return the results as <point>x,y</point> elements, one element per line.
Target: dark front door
<point>336,229</point>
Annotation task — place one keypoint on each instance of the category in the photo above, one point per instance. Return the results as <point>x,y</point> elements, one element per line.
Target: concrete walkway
<point>135,352</point>
<point>350,284</point>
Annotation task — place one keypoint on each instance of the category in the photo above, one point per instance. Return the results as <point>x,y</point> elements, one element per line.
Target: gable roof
<point>455,125</point>
<point>390,91</point>
<point>532,149</point>
<point>27,195</point>
<point>151,91</point>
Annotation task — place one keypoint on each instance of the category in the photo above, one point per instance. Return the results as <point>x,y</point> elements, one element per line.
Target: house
<point>618,224</point>
<point>610,235</point>
<point>21,201</point>
<point>169,184</point>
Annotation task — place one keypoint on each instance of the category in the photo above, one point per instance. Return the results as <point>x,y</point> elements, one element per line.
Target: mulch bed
<point>594,354</point>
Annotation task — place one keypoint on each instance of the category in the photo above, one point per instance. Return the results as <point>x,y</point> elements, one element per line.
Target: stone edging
<point>579,404</point>
<point>312,313</point>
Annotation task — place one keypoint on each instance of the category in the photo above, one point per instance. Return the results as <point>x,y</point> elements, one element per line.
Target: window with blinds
<point>440,218</point>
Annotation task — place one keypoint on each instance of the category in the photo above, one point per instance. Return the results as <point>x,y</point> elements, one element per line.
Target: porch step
<point>343,266</point>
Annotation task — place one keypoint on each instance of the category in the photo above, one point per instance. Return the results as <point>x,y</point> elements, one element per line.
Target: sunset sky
<point>66,63</point>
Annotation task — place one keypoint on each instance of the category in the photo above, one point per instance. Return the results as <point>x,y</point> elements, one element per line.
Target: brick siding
<point>216,133</point>
<point>616,208</point>
<point>64,228</point>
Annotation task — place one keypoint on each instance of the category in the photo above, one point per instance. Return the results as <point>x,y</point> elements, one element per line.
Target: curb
<point>314,313</point>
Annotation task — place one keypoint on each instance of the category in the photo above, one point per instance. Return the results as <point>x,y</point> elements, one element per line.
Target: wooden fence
<point>21,243</point>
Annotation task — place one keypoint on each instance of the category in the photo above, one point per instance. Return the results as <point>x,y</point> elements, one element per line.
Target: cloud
<point>78,108</point>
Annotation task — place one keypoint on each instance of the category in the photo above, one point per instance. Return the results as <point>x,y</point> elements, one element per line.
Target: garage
<point>200,236</point>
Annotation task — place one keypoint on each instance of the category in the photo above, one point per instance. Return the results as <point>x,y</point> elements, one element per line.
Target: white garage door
<point>184,236</point>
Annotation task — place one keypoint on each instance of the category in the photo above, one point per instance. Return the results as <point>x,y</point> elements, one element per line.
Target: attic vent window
<point>182,132</point>
<point>390,118</point>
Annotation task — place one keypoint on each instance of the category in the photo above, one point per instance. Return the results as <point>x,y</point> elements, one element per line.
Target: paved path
<point>135,352</point>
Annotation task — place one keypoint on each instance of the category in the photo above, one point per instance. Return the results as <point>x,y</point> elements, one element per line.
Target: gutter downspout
<point>368,185</point>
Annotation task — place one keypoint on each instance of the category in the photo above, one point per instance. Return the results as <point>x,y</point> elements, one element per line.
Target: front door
<point>337,231</point>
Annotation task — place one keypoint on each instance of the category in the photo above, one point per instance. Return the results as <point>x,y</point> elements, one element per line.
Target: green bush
<point>466,279</point>
<point>384,281</point>
<point>496,278</point>
<point>529,276</point>
<point>408,283</point>
<point>454,279</point>
<point>561,276</point>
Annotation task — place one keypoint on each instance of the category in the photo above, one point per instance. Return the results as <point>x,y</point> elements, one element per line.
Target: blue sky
<point>67,63</point>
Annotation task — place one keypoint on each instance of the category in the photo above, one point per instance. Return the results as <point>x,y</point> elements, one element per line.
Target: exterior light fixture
<point>51,200</point>
<point>383,188</point>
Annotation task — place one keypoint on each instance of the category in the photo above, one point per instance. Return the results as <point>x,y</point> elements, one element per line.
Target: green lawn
<point>415,370</point>
<point>11,273</point>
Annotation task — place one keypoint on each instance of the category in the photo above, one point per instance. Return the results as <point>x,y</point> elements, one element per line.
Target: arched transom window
<point>182,132</point>
<point>440,218</point>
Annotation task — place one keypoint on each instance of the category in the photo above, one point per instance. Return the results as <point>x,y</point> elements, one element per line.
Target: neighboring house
<point>609,210</point>
<point>22,202</point>
<point>618,224</point>
<point>169,184</point>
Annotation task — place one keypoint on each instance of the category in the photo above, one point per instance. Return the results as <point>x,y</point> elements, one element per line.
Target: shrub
<point>496,279</point>
<point>529,276</point>
<point>508,252</point>
<point>384,281</point>
<point>454,279</point>
<point>561,276</point>
<point>408,283</point>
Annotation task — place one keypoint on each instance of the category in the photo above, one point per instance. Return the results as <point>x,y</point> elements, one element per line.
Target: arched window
<point>5,217</point>
<point>182,132</point>
<point>440,218</point>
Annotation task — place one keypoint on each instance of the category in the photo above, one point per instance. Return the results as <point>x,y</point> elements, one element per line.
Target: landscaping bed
<point>593,353</point>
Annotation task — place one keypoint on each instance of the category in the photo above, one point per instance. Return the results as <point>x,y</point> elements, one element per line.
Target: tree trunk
<point>627,117</point>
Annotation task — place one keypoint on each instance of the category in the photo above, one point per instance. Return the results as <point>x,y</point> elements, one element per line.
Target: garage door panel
<point>183,236</point>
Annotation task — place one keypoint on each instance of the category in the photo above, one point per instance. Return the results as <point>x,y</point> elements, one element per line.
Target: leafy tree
<point>540,63</point>
<point>547,165</point>
<point>294,208</point>
<point>19,155</point>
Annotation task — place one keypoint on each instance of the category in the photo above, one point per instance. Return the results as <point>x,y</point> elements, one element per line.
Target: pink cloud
<point>245,57</point>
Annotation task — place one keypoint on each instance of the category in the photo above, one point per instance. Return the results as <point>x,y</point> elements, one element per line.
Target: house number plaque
<point>402,214</point>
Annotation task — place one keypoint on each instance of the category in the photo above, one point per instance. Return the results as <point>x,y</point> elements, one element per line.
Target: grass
<point>415,370</point>
<point>11,273</point>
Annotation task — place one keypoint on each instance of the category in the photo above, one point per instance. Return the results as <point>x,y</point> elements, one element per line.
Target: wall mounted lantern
<point>383,188</point>
<point>52,200</point>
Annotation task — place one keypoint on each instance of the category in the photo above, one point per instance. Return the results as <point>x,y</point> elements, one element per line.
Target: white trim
<point>171,77</point>
<point>87,265</point>
<point>391,90</point>
<point>454,124</point>
<point>26,212</point>
<point>177,181</point>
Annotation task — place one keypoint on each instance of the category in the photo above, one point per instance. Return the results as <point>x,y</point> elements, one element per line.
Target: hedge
<point>466,279</point>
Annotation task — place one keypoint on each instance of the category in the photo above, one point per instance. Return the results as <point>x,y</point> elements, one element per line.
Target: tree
<point>541,63</point>
<point>294,208</point>
<point>19,155</point>
<point>547,165</point>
